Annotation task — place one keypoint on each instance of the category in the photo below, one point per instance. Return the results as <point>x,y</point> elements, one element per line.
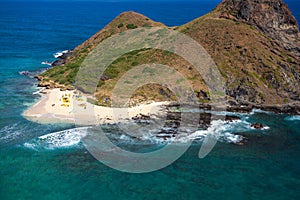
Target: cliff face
<point>255,44</point>
<point>246,40</point>
<point>272,17</point>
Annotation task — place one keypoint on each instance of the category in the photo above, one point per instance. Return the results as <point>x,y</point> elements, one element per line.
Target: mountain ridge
<point>258,68</point>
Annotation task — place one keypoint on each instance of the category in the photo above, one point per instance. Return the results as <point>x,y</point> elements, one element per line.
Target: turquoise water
<point>267,167</point>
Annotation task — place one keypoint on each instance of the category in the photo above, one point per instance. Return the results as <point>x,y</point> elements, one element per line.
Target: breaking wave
<point>61,139</point>
<point>60,53</point>
<point>46,63</point>
<point>224,131</point>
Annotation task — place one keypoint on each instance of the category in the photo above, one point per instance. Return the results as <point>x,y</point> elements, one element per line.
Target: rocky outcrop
<point>61,59</point>
<point>272,17</point>
<point>59,62</point>
<point>49,84</point>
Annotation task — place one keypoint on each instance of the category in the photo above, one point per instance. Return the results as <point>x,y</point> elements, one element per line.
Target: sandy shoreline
<point>56,106</point>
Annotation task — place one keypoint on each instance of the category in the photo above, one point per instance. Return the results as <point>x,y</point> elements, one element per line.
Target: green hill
<point>259,65</point>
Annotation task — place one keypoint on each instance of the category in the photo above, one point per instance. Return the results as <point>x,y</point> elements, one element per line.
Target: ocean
<point>52,167</point>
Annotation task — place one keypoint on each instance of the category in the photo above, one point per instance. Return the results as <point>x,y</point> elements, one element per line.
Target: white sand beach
<point>56,106</point>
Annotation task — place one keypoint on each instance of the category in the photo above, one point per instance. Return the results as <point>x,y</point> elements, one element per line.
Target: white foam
<point>292,118</point>
<point>61,139</point>
<point>265,128</point>
<point>222,130</point>
<point>38,91</point>
<point>11,132</point>
<point>232,138</point>
<point>46,63</point>
<point>30,146</point>
<point>259,111</point>
<point>60,53</point>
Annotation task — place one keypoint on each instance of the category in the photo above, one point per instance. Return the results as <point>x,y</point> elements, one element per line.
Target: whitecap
<point>61,139</point>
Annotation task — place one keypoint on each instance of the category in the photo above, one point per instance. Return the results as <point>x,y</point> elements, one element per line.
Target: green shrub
<point>134,63</point>
<point>131,26</point>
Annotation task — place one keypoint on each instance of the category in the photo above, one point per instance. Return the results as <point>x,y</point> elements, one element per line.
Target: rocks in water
<point>240,108</point>
<point>242,142</point>
<point>32,74</point>
<point>64,54</point>
<point>58,63</point>
<point>258,126</point>
<point>25,73</point>
<point>141,119</point>
<point>291,108</point>
<point>231,118</point>
<point>61,58</point>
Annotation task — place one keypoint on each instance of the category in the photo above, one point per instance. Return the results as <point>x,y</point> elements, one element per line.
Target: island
<point>255,45</point>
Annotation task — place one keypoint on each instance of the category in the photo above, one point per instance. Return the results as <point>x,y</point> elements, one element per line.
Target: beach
<point>56,106</point>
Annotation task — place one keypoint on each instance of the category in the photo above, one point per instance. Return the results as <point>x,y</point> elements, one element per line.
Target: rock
<point>61,60</point>
<point>58,63</point>
<point>203,95</point>
<point>291,108</point>
<point>141,119</point>
<point>232,118</point>
<point>272,17</point>
<point>164,93</point>
<point>25,73</point>
<point>65,55</point>
<point>257,126</point>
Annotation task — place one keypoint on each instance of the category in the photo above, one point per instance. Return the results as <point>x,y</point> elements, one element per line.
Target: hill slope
<point>259,63</point>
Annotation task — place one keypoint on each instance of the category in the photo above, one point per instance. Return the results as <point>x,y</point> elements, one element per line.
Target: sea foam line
<point>223,130</point>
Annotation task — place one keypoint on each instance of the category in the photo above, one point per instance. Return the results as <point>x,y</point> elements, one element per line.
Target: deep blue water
<point>268,167</point>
